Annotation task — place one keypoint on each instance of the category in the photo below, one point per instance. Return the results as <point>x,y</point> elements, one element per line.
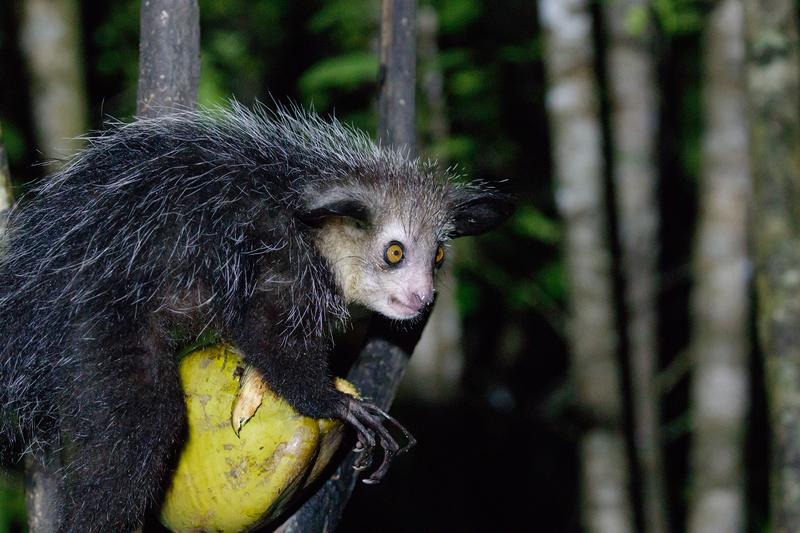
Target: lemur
<point>263,226</point>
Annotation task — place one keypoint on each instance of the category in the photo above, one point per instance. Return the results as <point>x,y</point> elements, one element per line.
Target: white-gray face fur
<point>362,261</point>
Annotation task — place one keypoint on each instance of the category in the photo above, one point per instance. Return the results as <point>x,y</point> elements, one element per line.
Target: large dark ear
<point>337,208</point>
<point>479,211</point>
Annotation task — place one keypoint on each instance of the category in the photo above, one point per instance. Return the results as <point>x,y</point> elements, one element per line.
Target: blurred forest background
<point>592,366</point>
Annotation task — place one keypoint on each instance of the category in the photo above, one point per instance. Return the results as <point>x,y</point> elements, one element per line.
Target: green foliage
<point>116,39</point>
<point>240,42</point>
<point>468,297</point>
<point>453,148</point>
<point>13,141</point>
<point>524,53</point>
<point>225,51</point>
<point>456,15</point>
<point>637,19</point>
<point>351,24</point>
<point>345,72</point>
<point>530,222</point>
<point>12,502</point>
<point>469,82</point>
<point>679,16</point>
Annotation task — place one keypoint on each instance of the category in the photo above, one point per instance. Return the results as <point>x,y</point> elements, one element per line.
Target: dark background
<point>501,456</point>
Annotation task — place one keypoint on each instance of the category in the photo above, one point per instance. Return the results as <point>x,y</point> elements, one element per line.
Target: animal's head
<point>386,243</point>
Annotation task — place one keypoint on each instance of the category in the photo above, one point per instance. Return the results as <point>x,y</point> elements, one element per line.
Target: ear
<point>337,208</point>
<point>477,212</point>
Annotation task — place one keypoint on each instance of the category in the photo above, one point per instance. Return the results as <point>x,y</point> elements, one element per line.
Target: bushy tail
<point>24,378</point>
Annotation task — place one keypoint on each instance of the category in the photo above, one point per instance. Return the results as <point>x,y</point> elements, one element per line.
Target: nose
<point>423,297</point>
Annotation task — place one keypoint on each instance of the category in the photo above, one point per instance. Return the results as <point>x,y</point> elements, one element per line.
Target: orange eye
<point>394,253</point>
<point>439,255</point>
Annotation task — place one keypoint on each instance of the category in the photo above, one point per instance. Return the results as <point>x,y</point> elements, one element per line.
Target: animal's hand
<point>368,421</point>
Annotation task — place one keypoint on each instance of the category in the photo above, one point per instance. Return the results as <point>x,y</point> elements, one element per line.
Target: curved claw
<point>410,440</point>
<point>368,421</point>
<point>364,460</point>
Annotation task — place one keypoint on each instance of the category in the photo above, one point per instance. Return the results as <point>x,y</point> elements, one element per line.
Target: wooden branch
<point>381,363</point>
<point>377,374</point>
<point>169,56</point>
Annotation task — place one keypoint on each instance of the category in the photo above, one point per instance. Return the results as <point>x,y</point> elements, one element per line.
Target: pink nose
<point>422,297</point>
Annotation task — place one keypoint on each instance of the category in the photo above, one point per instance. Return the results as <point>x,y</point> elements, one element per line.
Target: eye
<point>394,253</point>
<point>439,258</point>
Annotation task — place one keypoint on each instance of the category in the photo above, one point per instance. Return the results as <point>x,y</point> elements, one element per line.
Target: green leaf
<point>345,72</point>
<point>530,222</point>
<point>637,19</point>
<point>455,15</point>
<point>550,278</point>
<point>210,92</point>
<point>679,16</point>
<point>351,23</point>
<point>522,53</point>
<point>468,296</point>
<point>468,82</point>
<point>13,141</point>
<point>12,502</point>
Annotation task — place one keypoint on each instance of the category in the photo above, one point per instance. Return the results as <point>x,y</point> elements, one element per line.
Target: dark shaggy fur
<point>188,222</point>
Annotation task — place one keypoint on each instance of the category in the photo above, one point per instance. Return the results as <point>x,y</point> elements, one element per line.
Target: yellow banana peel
<point>247,451</point>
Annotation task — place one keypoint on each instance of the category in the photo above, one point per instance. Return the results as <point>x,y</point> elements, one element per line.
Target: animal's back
<point>163,213</point>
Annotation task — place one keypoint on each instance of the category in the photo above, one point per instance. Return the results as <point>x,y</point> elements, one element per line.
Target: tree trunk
<point>773,84</point>
<point>169,56</point>
<point>42,492</point>
<point>397,75</point>
<point>6,193</point>
<point>577,140</point>
<point>720,301</point>
<point>634,107</point>
<point>50,40</point>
